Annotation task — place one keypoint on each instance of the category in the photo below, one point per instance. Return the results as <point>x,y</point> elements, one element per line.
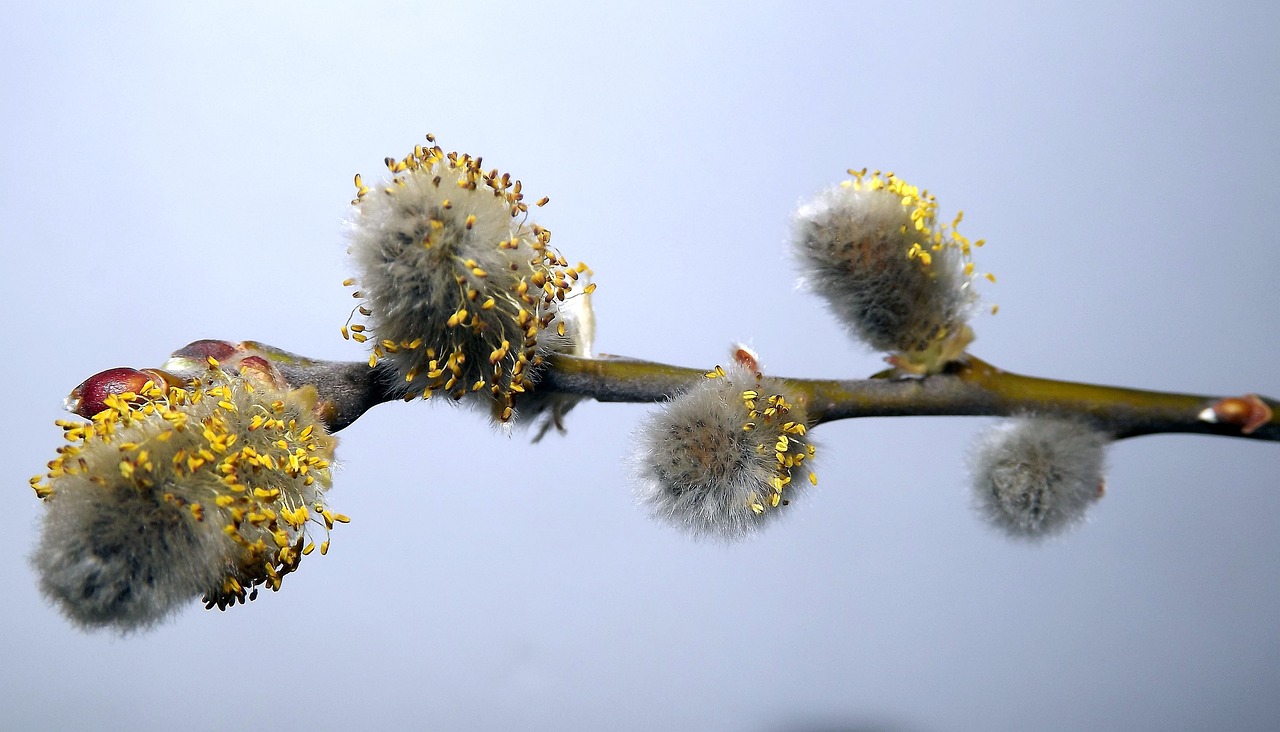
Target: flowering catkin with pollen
<point>719,459</point>
<point>170,494</point>
<point>462,294</point>
<point>1034,477</point>
<point>872,248</point>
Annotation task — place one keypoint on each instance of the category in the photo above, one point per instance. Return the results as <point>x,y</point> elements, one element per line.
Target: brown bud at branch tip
<point>1247,412</point>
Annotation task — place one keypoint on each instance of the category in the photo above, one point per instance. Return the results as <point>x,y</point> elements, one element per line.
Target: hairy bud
<point>1035,477</point>
<point>872,248</point>
<point>718,460</point>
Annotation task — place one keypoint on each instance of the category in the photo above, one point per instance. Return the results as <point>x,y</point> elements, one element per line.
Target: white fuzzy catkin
<point>462,294</point>
<point>895,278</point>
<point>168,495</point>
<point>718,459</point>
<point>1035,477</point>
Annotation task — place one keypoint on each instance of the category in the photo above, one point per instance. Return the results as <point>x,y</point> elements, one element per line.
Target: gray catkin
<point>698,469</point>
<point>1035,477</point>
<point>853,247</point>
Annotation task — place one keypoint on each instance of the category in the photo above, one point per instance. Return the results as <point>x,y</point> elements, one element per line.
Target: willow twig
<point>969,387</point>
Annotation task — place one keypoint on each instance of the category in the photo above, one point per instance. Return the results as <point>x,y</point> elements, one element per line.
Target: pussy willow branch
<point>970,387</point>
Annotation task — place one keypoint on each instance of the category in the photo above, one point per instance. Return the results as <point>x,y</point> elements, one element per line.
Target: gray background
<point>166,176</point>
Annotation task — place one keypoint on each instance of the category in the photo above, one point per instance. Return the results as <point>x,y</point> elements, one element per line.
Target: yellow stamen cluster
<point>922,208</point>
<point>461,293</point>
<point>240,460</point>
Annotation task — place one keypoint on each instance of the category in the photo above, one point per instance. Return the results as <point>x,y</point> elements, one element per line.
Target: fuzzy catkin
<point>462,295</point>
<point>1035,477</point>
<point>718,460</point>
<point>117,558</point>
<point>168,495</point>
<point>895,278</point>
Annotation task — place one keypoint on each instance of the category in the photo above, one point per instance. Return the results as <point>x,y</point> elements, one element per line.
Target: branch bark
<point>970,387</point>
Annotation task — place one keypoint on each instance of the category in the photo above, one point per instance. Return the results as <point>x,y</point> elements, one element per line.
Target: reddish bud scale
<point>259,368</point>
<point>746,357</point>
<point>90,397</point>
<point>1247,412</point>
<point>203,349</point>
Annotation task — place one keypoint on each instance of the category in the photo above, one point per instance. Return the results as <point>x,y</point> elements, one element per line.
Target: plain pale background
<point>168,175</point>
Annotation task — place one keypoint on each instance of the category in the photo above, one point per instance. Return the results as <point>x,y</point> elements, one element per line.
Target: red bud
<point>90,397</point>
<point>203,349</point>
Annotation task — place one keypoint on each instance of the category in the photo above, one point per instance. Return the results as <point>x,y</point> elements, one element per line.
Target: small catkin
<point>900,282</point>
<point>172,493</point>
<point>718,460</point>
<point>462,295</point>
<point>1035,477</point>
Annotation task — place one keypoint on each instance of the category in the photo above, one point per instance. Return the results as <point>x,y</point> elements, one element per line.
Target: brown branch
<point>970,387</point>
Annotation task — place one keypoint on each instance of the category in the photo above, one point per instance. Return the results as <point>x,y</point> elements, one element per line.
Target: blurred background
<point>171,174</point>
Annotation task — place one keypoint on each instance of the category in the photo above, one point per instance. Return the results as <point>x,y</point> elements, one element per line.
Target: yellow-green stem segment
<point>967,387</point>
